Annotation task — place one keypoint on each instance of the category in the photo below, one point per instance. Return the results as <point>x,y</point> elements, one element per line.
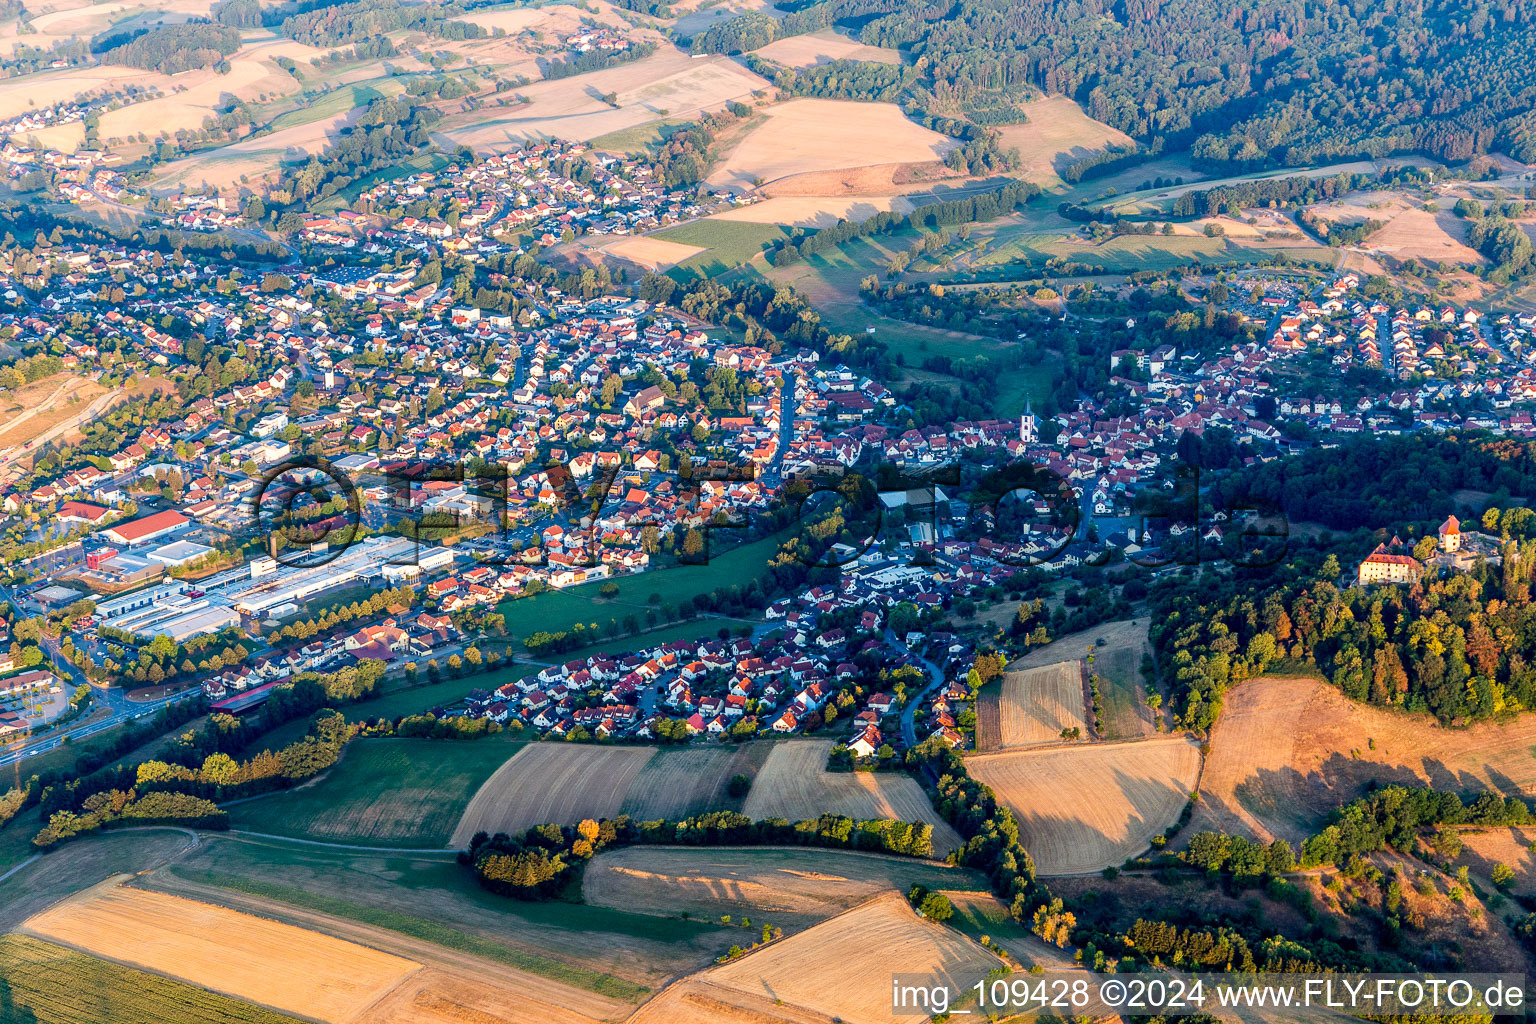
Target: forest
<point>1381,482</point>
<point>361,21</point>
<point>172,49</point>
<point>1262,84</point>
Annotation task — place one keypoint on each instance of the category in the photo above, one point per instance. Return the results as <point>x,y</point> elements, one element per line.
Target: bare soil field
<point>824,47</point>
<point>795,885</point>
<point>795,785</point>
<point>669,84</point>
<point>677,783</point>
<point>1083,808</point>
<point>552,782</point>
<point>1034,705</point>
<point>273,964</point>
<point>651,253</point>
<point>838,970</point>
<point>815,211</point>
<point>1286,752</point>
<point>807,135</point>
<point>1057,134</point>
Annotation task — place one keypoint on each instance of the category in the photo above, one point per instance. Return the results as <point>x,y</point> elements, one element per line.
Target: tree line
<point>968,210</point>
<point>548,859</point>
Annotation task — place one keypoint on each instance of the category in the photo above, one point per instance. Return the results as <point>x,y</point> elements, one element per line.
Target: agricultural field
<point>667,84</point>
<point>808,135</point>
<point>677,783</point>
<point>1117,662</point>
<point>783,885</point>
<point>866,182</point>
<point>384,792</point>
<point>651,253</point>
<point>255,158</point>
<point>566,782</point>
<point>1086,807</point>
<point>47,984</point>
<point>794,784</point>
<point>1056,135</point>
<point>824,47</point>
<point>380,899</point>
<point>815,211</point>
<point>286,968</point>
<point>839,970</point>
<point>725,244</point>
<point>1033,706</point>
<point>552,782</point>
<point>395,699</point>
<point>60,20</point>
<point>1286,752</point>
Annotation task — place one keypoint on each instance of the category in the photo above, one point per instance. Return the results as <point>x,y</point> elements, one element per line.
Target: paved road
<point>914,701</point>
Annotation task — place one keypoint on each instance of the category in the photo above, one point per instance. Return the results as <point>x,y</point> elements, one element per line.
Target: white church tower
<point>1028,425</point>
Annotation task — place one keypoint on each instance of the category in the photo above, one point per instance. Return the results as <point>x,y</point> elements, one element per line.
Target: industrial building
<point>145,529</point>
<point>366,560</point>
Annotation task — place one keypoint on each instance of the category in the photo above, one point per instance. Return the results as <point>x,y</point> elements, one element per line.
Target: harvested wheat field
<point>441,995</point>
<point>251,958</point>
<point>667,84</point>
<point>1057,133</point>
<point>1430,236</point>
<point>1285,752</point>
<point>795,885</point>
<point>876,180</point>
<point>552,782</point>
<point>1033,706</point>
<point>839,969</point>
<point>1117,649</point>
<point>794,784</point>
<point>677,783</point>
<point>815,211</point>
<point>823,47</point>
<point>807,135</point>
<point>198,98</point>
<point>651,253</point>
<point>1084,808</point>
<point>34,92</point>
<point>254,158</point>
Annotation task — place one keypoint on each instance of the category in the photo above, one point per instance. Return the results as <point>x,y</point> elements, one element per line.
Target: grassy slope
<point>385,792</point>
<point>727,245</point>
<point>557,610</point>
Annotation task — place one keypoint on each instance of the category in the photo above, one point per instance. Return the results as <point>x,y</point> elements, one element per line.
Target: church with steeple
<point>1028,426</point>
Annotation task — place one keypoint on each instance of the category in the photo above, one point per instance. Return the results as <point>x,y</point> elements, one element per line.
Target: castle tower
<point>1450,535</point>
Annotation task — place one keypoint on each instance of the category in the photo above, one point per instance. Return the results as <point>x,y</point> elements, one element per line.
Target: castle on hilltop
<point>1453,549</point>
